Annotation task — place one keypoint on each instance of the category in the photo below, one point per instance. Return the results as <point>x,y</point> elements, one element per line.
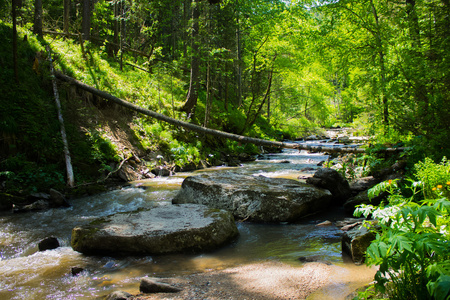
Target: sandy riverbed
<point>267,280</point>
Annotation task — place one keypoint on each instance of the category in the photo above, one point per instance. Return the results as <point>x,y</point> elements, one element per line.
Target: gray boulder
<point>258,199</point>
<point>161,172</point>
<point>362,184</point>
<point>164,229</point>
<point>331,180</point>
<point>356,241</point>
<point>57,199</point>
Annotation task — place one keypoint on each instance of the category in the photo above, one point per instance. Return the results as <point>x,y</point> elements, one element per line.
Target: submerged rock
<point>164,229</point>
<point>256,198</point>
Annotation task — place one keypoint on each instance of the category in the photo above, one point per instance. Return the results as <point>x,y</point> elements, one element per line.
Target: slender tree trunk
<point>239,61</point>
<point>414,29</point>
<point>192,96</point>
<point>249,123</point>
<point>420,89</point>
<point>66,16</point>
<point>116,27</point>
<point>14,39</point>
<point>381,59</point>
<point>69,169</point>
<point>86,21</point>
<point>208,95</point>
<point>226,88</point>
<point>122,29</point>
<point>38,17</point>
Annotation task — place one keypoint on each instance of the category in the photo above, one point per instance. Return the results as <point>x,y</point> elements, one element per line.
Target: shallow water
<point>29,274</point>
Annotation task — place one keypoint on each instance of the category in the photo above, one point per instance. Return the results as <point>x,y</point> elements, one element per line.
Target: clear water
<point>27,273</point>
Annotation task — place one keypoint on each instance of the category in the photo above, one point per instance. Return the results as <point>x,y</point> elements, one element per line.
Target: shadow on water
<point>29,274</point>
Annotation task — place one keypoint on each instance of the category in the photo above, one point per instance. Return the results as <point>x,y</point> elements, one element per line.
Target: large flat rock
<point>164,229</point>
<point>254,198</point>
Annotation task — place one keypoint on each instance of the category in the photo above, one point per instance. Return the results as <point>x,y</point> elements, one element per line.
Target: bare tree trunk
<point>239,59</point>
<point>116,27</point>
<point>377,35</point>
<point>38,18</point>
<point>66,16</point>
<point>208,95</point>
<point>249,123</point>
<point>86,21</point>
<point>192,96</point>
<point>14,39</point>
<point>70,178</point>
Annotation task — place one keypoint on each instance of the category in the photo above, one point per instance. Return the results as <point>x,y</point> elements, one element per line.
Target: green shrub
<point>412,249</point>
<point>183,153</point>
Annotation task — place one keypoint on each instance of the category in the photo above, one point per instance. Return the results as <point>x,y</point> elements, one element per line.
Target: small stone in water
<point>109,265</point>
<point>325,223</point>
<point>48,244</point>
<point>151,286</point>
<point>76,270</point>
<point>119,295</point>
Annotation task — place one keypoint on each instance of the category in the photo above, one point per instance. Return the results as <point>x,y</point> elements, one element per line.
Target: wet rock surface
<point>149,285</point>
<point>254,198</point>
<point>49,243</point>
<point>356,240</point>
<point>331,180</point>
<point>161,230</point>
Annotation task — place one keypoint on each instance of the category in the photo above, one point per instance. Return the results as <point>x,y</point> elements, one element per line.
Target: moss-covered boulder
<point>161,230</point>
<point>254,198</point>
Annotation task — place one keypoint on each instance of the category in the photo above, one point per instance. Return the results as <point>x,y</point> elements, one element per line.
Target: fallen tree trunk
<point>204,130</point>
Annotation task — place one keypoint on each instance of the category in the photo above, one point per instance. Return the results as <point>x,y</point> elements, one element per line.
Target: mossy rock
<point>166,229</point>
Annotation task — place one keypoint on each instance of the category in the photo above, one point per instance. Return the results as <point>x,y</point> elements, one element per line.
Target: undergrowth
<point>412,248</point>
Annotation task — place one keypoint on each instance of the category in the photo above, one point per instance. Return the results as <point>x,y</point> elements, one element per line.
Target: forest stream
<point>27,273</point>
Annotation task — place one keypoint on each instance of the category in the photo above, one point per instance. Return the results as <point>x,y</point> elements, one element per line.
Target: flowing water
<point>27,273</point>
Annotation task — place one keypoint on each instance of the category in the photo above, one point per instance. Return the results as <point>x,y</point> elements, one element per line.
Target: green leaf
<point>404,243</point>
<point>440,289</point>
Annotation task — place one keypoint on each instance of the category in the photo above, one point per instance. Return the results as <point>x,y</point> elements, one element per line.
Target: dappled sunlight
<point>274,280</point>
<point>343,280</point>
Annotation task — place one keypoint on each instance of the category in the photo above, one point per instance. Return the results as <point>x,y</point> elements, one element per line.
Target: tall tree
<point>38,17</point>
<point>14,40</point>
<point>66,16</point>
<point>192,96</point>
<point>86,20</point>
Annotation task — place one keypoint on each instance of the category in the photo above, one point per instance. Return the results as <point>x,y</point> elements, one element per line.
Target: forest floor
<point>266,280</point>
